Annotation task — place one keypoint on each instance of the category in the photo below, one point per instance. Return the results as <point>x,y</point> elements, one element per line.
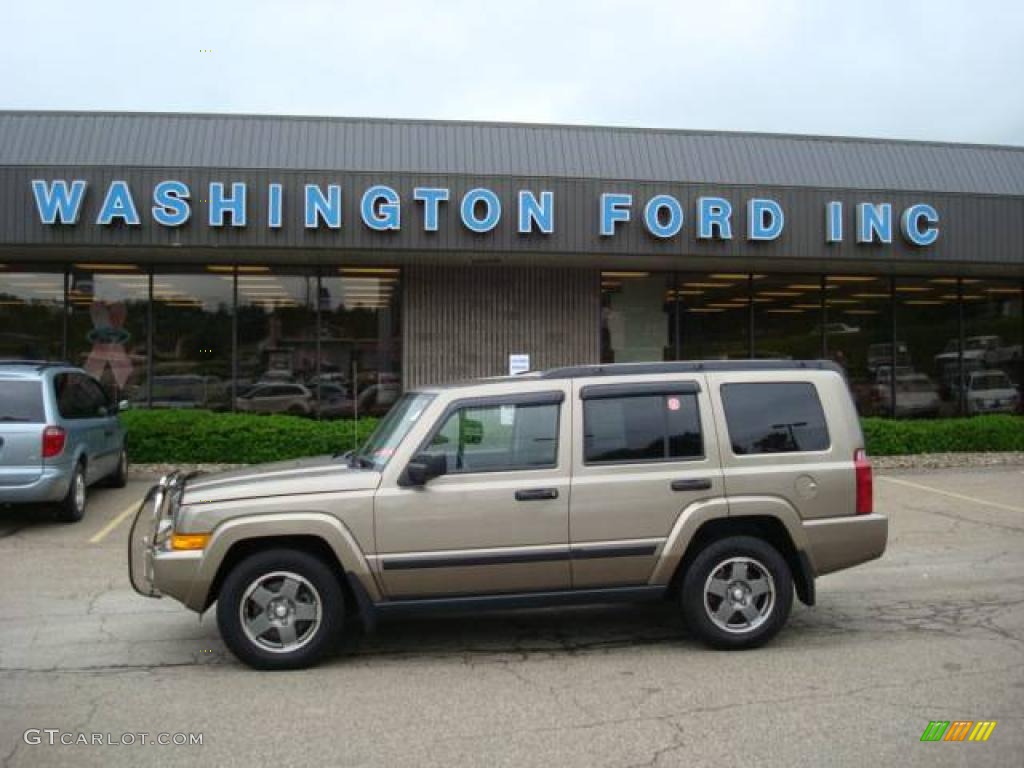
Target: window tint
<point>78,396</point>
<point>498,437</point>
<point>774,418</point>
<point>21,401</point>
<point>641,428</point>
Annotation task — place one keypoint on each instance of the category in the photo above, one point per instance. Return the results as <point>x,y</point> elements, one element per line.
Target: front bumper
<point>153,569</point>
<point>51,485</point>
<point>843,542</point>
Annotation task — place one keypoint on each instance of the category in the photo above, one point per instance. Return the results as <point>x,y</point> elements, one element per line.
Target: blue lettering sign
<point>220,204</point>
<point>274,206</point>
<point>492,208</point>
<point>319,207</point>
<point>615,207</point>
<point>118,204</point>
<point>533,212</point>
<point>765,219</point>
<point>910,224</point>
<point>56,202</point>
<point>381,208</point>
<point>171,208</point>
<point>653,213</point>
<point>431,197</point>
<point>874,222</point>
<point>713,214</point>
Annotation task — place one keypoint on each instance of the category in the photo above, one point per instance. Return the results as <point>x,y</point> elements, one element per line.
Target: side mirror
<point>424,467</point>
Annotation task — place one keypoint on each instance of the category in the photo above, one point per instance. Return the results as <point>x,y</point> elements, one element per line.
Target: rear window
<point>21,401</point>
<point>774,418</point>
<point>641,428</point>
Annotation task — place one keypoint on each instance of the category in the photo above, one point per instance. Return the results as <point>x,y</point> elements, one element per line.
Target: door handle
<point>697,484</point>
<point>537,494</point>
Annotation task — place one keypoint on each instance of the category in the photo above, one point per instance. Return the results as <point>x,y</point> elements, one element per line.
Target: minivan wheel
<point>280,609</point>
<point>119,477</point>
<point>737,593</point>
<point>72,508</point>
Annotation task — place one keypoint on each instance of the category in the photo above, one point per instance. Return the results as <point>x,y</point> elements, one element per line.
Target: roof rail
<point>38,363</point>
<point>686,366</point>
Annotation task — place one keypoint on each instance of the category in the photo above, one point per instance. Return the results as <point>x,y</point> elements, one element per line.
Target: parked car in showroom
<point>718,487</point>
<point>991,392</point>
<point>59,434</point>
<point>916,395</point>
<point>276,398</point>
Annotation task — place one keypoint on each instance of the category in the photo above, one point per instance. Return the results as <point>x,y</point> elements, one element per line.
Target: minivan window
<point>21,401</point>
<point>497,438</point>
<point>781,417</point>
<point>641,428</point>
<point>78,396</point>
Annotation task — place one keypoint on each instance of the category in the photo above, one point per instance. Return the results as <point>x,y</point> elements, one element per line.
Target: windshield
<point>990,381</point>
<point>379,447</point>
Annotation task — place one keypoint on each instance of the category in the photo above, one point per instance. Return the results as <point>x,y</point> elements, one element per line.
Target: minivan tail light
<point>53,441</point>
<point>865,484</point>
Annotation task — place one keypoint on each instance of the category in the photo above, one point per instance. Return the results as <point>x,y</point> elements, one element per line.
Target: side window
<point>496,438</point>
<point>774,418</point>
<point>78,396</point>
<point>64,389</point>
<point>642,428</point>
<point>94,396</point>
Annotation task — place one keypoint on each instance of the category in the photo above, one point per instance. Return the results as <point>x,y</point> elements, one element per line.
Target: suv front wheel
<point>280,609</point>
<point>737,593</point>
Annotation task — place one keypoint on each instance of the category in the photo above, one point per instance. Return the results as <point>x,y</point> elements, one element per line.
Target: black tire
<point>263,565</point>
<point>119,477</point>
<point>750,554</point>
<point>71,508</point>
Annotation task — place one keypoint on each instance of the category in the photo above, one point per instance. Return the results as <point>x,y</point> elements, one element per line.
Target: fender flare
<point>327,528</point>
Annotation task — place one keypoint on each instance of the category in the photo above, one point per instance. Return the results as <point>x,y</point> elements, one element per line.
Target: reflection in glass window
<point>774,418</point>
<point>108,317</point>
<point>992,338</point>
<point>191,339</point>
<point>787,317</point>
<point>360,342</point>
<point>31,313</point>
<point>715,316</point>
<point>276,340</point>
<point>926,369</point>
<point>637,317</point>
<point>498,438</point>
<point>641,428</point>
<point>858,337</point>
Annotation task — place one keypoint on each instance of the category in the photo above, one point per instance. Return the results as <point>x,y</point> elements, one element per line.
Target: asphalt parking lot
<point>933,631</point>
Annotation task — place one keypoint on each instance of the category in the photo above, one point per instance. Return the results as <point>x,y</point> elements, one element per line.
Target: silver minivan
<point>59,434</point>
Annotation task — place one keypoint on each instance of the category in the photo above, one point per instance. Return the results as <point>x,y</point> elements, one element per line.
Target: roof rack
<point>688,366</point>
<point>38,363</point>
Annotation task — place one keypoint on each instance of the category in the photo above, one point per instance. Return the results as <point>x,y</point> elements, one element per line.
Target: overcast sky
<point>913,69</point>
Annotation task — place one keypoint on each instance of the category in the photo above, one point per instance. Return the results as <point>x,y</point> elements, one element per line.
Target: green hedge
<point>236,438</point>
<point>889,437</point>
<point>189,436</point>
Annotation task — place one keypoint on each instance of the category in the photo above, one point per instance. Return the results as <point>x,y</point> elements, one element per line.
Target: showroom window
<point>192,341</point>
<point>788,318</point>
<point>108,325</point>
<point>858,336</point>
<point>360,349</point>
<point>638,317</point>
<point>715,314</point>
<point>926,360</point>
<point>992,345</point>
<point>31,313</point>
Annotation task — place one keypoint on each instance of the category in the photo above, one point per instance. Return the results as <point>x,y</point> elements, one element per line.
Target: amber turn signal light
<point>187,541</point>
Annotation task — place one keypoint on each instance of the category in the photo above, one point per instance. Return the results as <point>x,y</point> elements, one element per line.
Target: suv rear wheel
<point>280,609</point>
<point>737,593</point>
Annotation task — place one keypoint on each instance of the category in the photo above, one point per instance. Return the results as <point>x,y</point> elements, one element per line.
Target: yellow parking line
<point>952,495</point>
<point>123,515</point>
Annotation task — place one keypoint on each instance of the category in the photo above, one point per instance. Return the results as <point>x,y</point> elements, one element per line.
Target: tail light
<point>865,485</point>
<point>53,441</point>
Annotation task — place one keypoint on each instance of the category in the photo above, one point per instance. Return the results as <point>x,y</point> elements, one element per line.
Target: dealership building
<point>322,265</point>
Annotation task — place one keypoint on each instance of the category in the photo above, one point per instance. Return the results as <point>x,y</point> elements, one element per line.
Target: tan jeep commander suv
<point>720,486</point>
